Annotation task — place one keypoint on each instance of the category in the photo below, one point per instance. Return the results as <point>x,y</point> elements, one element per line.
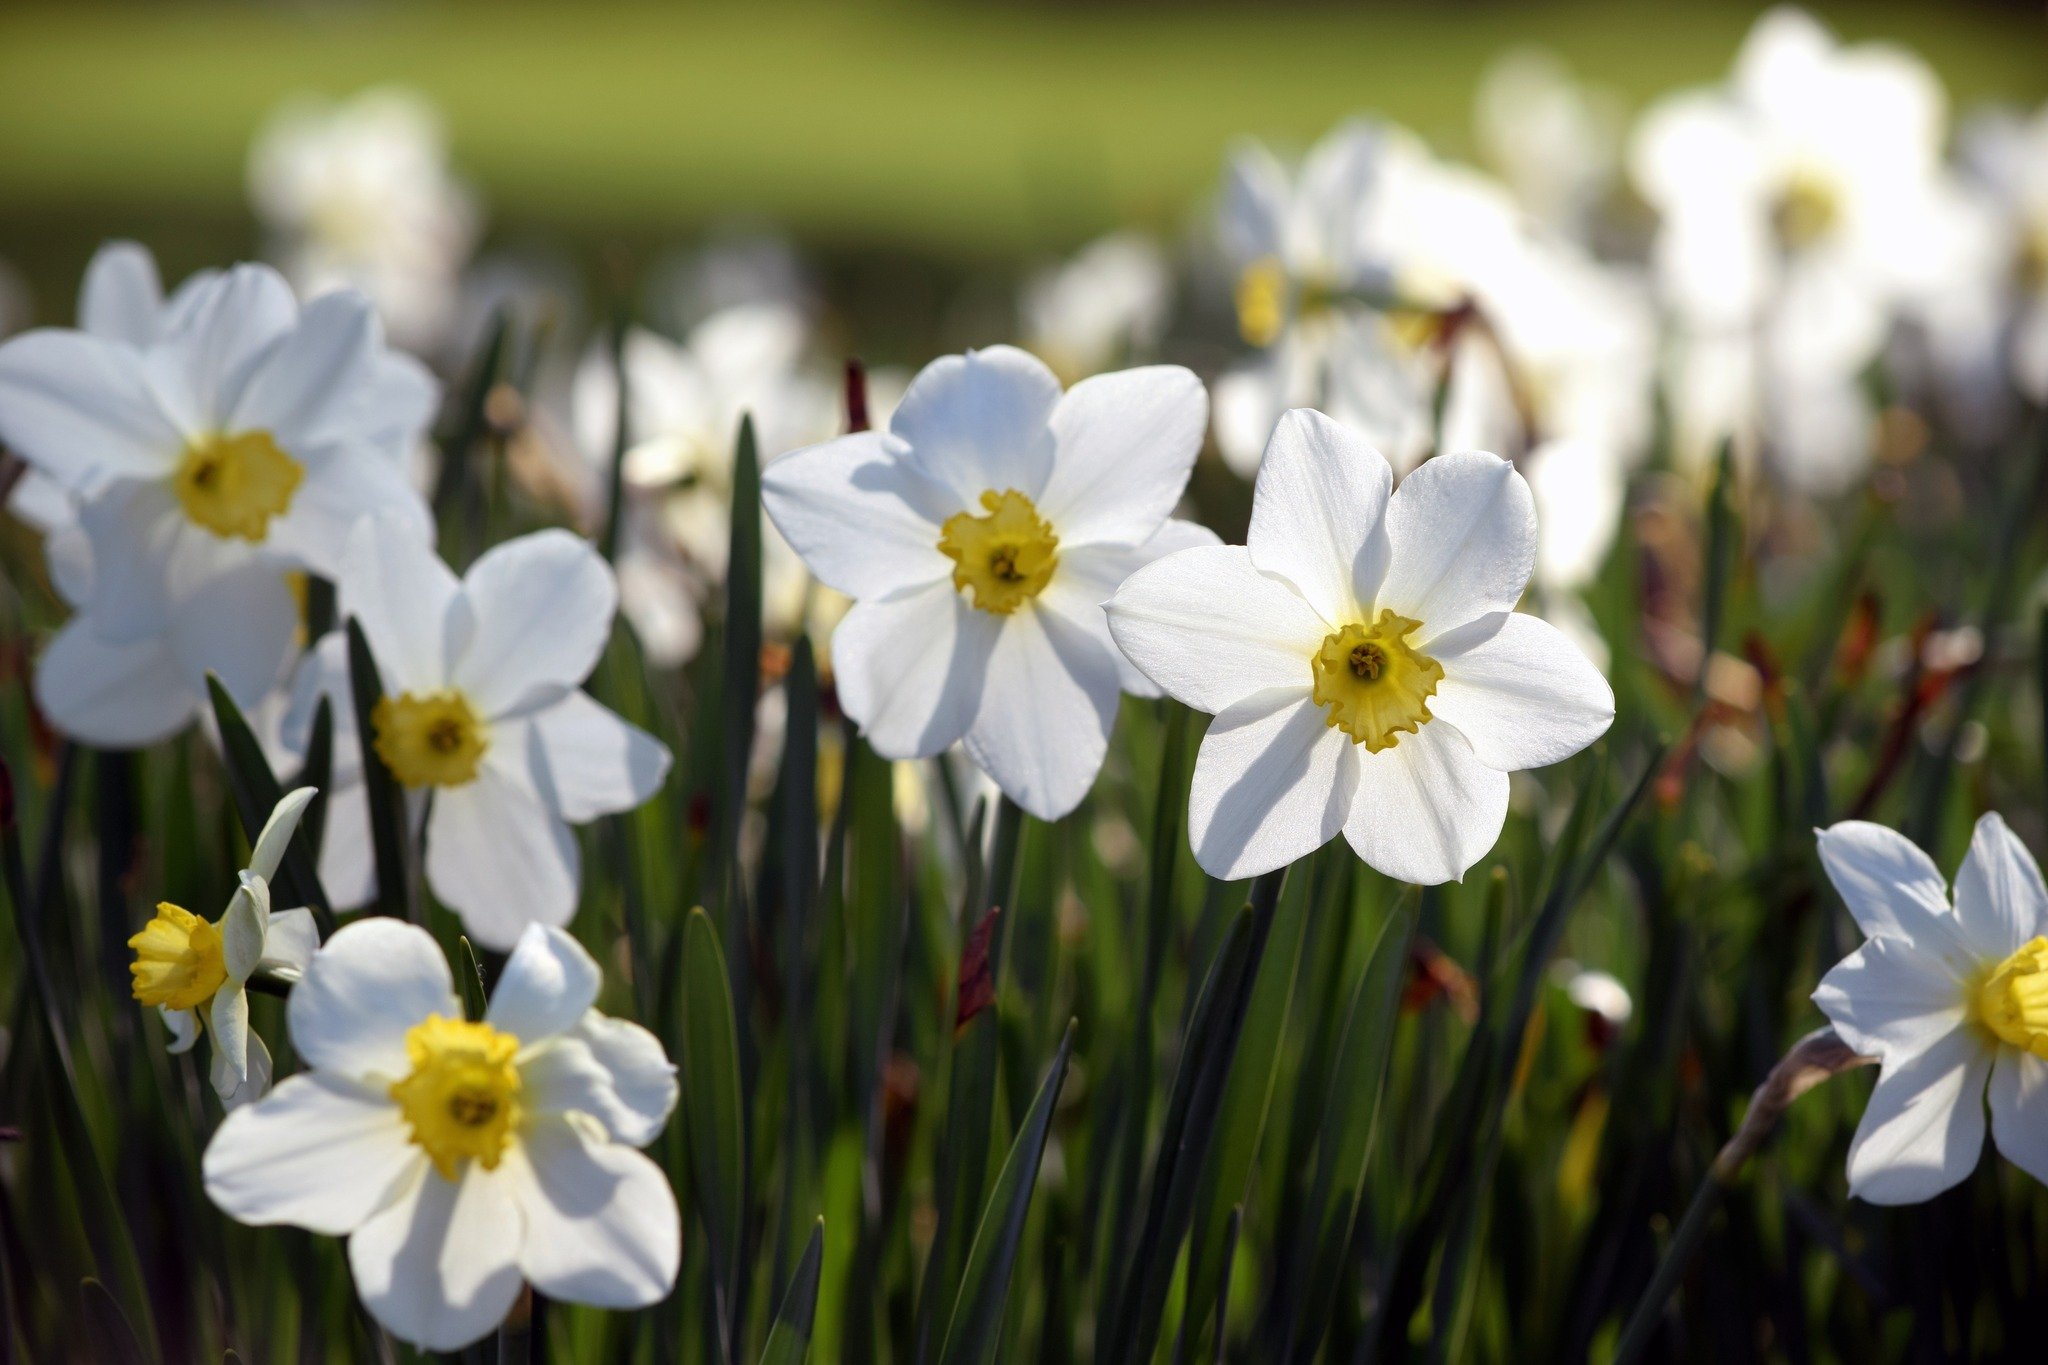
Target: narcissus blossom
<point>482,711</point>
<point>978,537</point>
<point>192,969</point>
<point>1364,660</point>
<point>461,1157</point>
<point>1950,997</point>
<point>205,447</point>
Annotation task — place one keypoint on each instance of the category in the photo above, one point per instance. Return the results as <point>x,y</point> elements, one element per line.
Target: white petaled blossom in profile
<point>358,194</point>
<point>1799,206</point>
<point>204,448</point>
<point>1363,659</point>
<point>460,1157</point>
<point>1104,307</point>
<point>1951,998</point>
<point>192,969</point>
<point>482,712</point>
<point>685,403</point>
<point>978,537</point>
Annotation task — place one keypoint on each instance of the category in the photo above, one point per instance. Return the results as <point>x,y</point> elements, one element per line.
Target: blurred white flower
<point>1555,142</point>
<point>191,969</point>
<point>1951,999</point>
<point>685,403</point>
<point>482,710</point>
<point>1106,306</point>
<point>358,194</point>
<point>1363,659</point>
<point>2007,154</point>
<point>1796,204</point>
<point>461,1158</point>
<point>1599,993</point>
<point>204,447</point>
<point>978,537</point>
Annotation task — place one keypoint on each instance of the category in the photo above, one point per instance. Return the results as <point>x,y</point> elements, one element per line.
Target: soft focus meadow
<point>930,683</point>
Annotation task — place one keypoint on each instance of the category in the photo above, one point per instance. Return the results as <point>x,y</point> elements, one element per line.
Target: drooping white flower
<point>1952,998</point>
<point>978,537</point>
<point>1363,659</point>
<point>482,711</point>
<point>1795,204</point>
<point>1104,307</point>
<point>192,969</point>
<point>205,446</point>
<point>358,195</point>
<point>462,1157</point>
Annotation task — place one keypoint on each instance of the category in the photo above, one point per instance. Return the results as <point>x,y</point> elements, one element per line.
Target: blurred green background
<point>961,132</point>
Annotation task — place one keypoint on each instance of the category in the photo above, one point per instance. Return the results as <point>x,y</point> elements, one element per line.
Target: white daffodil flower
<point>978,537</point>
<point>462,1157</point>
<point>191,969</point>
<point>209,445</point>
<point>482,711</point>
<point>1104,307</point>
<point>358,195</point>
<point>1364,660</point>
<point>1795,207</point>
<point>1951,998</point>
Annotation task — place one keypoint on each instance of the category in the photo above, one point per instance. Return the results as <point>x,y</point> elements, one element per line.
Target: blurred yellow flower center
<point>1262,301</point>
<point>178,960</point>
<point>1417,329</point>
<point>1375,685</point>
<point>462,1098</point>
<point>1004,558</point>
<point>2013,1001</point>
<point>430,741</point>
<point>1806,210</point>
<point>234,484</point>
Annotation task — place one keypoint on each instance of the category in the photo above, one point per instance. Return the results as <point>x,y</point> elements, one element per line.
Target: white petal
<point>1463,534</point>
<point>278,830</point>
<point>200,367</point>
<point>1319,514</point>
<point>1521,693</point>
<point>548,983</point>
<point>1089,576</point>
<point>228,1016</point>
<point>1209,628</point>
<point>81,410</point>
<point>602,1225</point>
<point>1894,891</point>
<point>113,696</point>
<point>543,608</point>
<point>911,669</point>
<point>244,927</point>
<point>291,943</point>
<point>587,761</point>
<point>1887,999</point>
<point>643,1079</point>
<point>1124,444</point>
<point>979,422</point>
<point>1048,703</point>
<point>862,517</point>
<point>1924,1128</point>
<point>318,1152</point>
<point>403,596</point>
<point>2000,902</point>
<point>242,624</point>
<point>371,983</point>
<point>499,858</point>
<point>1272,783</point>
<point>252,1083</point>
<point>183,1026</point>
<point>314,370</point>
<point>1426,809</point>
<point>439,1266</point>
<point>350,485</point>
<point>2019,1110</point>
<point>121,295</point>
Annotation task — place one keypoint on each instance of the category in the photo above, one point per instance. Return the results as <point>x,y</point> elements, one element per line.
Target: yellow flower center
<point>462,1098</point>
<point>1261,302</point>
<point>178,963</point>
<point>1004,558</point>
<point>1417,329</point>
<point>1375,685</point>
<point>2013,1000</point>
<point>1806,210</point>
<point>234,484</point>
<point>430,741</point>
